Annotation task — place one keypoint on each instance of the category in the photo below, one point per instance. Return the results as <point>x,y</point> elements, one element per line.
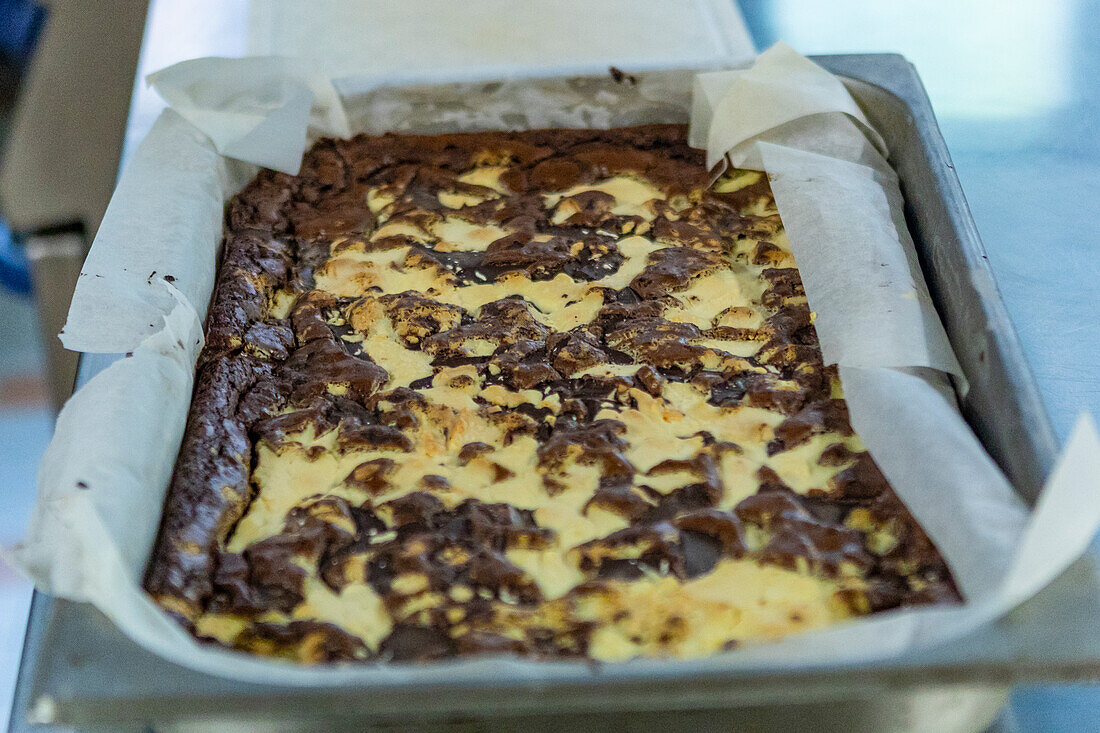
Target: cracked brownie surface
<point>543,393</point>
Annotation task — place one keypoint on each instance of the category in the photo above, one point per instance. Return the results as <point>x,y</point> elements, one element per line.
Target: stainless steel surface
<point>55,260</point>
<point>953,710</point>
<point>88,672</point>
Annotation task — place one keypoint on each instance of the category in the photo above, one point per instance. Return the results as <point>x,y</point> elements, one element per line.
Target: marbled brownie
<point>543,393</point>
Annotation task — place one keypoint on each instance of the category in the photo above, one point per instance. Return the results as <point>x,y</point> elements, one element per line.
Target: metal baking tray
<point>79,670</point>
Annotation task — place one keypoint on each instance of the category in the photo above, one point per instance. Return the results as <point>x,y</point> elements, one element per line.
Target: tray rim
<point>1030,460</point>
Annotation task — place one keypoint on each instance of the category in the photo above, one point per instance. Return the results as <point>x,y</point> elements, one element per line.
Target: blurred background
<point>1015,85</point>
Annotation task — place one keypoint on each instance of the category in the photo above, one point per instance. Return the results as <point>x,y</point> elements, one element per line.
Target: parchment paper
<point>164,221</point>
<point>243,105</point>
<point>840,204</point>
<point>101,488</point>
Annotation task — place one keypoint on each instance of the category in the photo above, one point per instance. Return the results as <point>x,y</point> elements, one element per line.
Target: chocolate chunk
<point>783,285</point>
<point>650,380</point>
<point>823,547</point>
<point>862,479</point>
<point>672,269</point>
<point>598,442</point>
<point>700,552</point>
<point>836,454</point>
<point>658,342</point>
<point>420,643</point>
<point>503,322</point>
<point>625,553</point>
<point>829,415</point>
<point>472,450</point>
<point>768,507</point>
<point>724,528</point>
<point>372,476</point>
<point>577,350</point>
<point>416,317</point>
<point>377,437</point>
<point>308,642</point>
